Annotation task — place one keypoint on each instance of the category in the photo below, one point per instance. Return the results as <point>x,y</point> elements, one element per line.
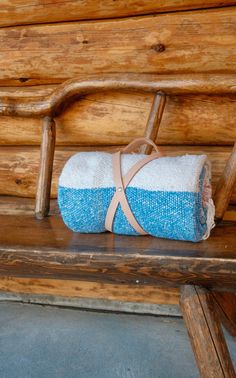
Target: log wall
<point>116,118</point>
<point>21,165</point>
<point>20,12</point>
<point>42,44</point>
<point>180,42</point>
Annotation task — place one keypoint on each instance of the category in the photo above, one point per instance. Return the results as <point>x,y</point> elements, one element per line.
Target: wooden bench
<point>42,246</point>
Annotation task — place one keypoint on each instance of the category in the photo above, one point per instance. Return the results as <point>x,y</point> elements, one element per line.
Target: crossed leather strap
<point>122,182</point>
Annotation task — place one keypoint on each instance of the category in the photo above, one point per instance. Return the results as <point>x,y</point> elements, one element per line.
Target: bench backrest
<point>35,59</point>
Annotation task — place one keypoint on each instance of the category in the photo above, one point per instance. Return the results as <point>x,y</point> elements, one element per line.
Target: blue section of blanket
<point>172,215</point>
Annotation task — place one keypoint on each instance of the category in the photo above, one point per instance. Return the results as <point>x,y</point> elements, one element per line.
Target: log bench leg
<point>206,335</point>
<point>226,305</point>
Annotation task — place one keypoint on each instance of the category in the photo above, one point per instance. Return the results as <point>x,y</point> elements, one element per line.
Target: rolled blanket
<point>169,197</point>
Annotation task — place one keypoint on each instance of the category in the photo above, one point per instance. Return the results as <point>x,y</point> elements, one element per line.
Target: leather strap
<point>122,183</point>
<point>138,142</point>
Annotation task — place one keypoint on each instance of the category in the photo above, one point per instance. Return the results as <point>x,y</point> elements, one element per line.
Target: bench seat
<point>46,248</point>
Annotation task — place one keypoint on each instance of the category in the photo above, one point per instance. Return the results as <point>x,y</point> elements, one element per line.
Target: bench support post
<point>226,305</point>
<point>204,328</point>
<point>154,121</point>
<point>42,205</point>
<point>225,186</point>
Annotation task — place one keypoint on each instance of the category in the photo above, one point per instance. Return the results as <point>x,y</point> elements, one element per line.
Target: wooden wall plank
<point>19,12</point>
<point>198,41</point>
<point>117,118</point>
<point>230,214</point>
<point>22,206</point>
<point>83,289</point>
<point>19,165</point>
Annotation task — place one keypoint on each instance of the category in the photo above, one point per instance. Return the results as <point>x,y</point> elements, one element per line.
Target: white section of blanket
<point>87,170</point>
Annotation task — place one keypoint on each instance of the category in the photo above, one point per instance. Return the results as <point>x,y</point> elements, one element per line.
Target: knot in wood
<point>159,47</point>
<point>23,79</point>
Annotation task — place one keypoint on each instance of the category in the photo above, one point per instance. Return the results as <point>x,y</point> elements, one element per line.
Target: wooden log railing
<point>55,103</point>
<point>68,92</point>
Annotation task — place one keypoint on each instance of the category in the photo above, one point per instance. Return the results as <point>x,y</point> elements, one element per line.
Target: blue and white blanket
<point>170,197</point>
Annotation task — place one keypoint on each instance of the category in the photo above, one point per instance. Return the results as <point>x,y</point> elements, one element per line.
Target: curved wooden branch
<point>66,93</point>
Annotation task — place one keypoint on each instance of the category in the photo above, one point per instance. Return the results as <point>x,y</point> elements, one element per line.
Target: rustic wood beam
<point>187,119</point>
<point>139,263</point>
<point>159,44</point>
<point>86,289</point>
<point>207,338</point>
<point>65,94</point>
<point>28,12</point>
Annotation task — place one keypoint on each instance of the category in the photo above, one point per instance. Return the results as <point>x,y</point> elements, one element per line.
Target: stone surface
<point>41,342</point>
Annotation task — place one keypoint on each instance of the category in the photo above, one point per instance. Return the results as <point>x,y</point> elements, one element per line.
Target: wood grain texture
<point>69,91</point>
<point>22,206</point>
<point>47,149</point>
<point>230,214</point>
<point>83,289</point>
<point>207,338</point>
<point>225,185</point>
<point>50,234</point>
<point>47,249</point>
<point>154,121</point>
<point>226,304</point>
<point>19,165</point>
<point>21,12</point>
<point>117,118</point>
<point>198,41</point>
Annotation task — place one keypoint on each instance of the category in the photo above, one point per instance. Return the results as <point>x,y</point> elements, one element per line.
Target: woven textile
<point>170,197</point>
